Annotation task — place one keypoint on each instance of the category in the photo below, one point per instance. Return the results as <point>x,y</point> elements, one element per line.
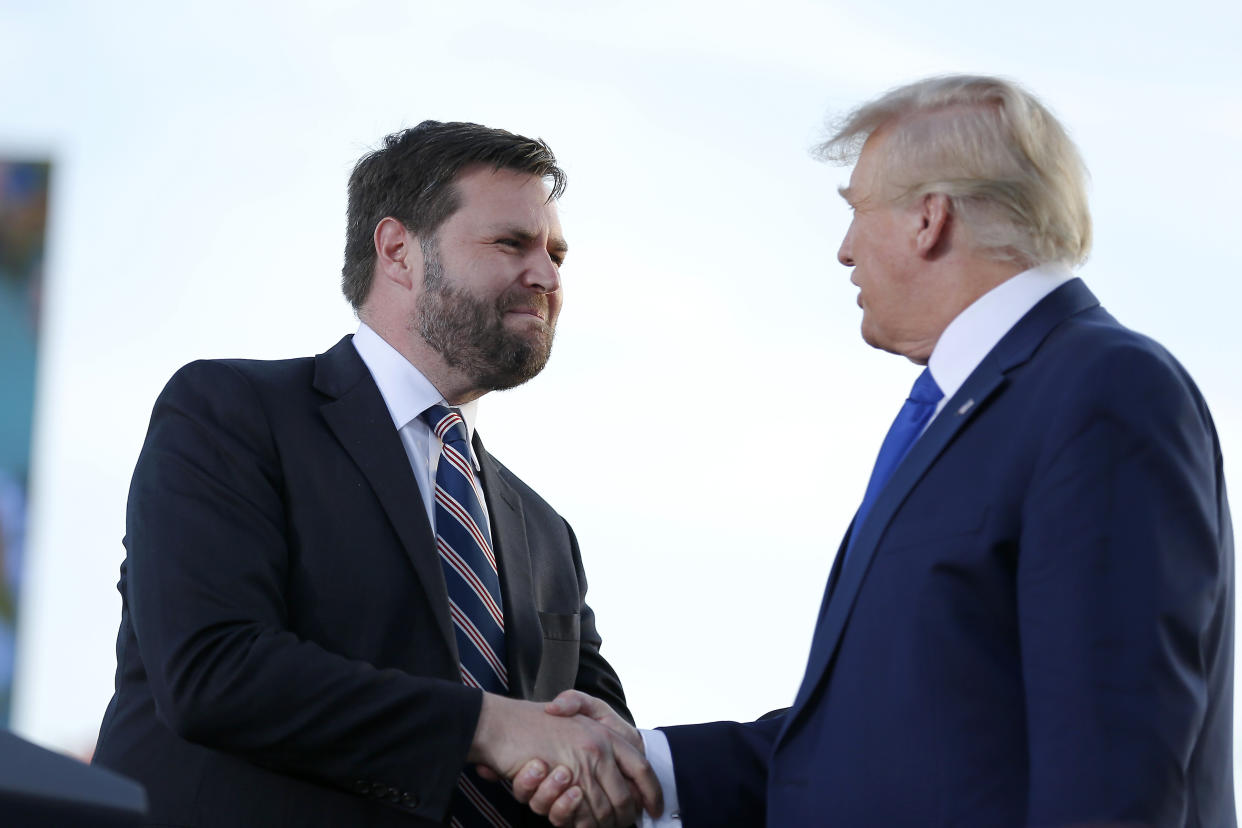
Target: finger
<point>586,817</point>
<point>638,770</point>
<point>625,806</point>
<point>617,728</point>
<point>606,790</point>
<point>568,703</point>
<point>550,789</point>
<point>595,794</point>
<point>574,702</point>
<point>569,809</point>
<point>620,727</point>
<point>528,780</point>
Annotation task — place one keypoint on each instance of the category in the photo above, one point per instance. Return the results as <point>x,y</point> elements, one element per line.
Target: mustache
<point>537,302</point>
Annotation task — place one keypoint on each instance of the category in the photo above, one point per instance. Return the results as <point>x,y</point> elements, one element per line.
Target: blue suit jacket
<point>1035,626</point>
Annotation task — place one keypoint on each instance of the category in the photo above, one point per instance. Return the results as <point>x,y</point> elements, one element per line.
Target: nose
<point>845,253</point>
<point>542,274</point>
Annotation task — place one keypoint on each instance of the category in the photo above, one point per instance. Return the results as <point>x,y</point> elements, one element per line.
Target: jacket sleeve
<point>721,770</point>
<point>1125,607</point>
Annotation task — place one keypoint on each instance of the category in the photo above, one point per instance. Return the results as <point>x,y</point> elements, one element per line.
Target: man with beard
<point>338,608</point>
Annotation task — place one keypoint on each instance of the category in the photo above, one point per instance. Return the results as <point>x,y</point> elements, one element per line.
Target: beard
<point>470,335</point>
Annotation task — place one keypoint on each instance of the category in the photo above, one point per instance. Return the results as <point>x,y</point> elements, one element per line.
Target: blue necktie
<point>906,428</point>
<point>464,542</point>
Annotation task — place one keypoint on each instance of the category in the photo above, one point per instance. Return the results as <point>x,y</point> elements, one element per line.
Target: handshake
<point>573,759</point>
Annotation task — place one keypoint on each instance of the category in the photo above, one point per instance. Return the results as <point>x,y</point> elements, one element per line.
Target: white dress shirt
<point>963,345</point>
<point>407,393</point>
<point>975,331</point>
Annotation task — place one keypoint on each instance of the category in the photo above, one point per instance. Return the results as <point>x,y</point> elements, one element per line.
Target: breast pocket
<point>941,526</point>
<point>560,626</point>
<point>558,664</point>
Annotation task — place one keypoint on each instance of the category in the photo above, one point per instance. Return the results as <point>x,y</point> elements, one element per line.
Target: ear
<point>398,257</point>
<point>934,224</point>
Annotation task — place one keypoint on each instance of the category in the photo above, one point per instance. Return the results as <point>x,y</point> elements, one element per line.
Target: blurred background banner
<point>23,224</point>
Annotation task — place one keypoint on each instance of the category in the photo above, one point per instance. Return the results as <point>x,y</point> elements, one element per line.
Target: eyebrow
<point>556,244</point>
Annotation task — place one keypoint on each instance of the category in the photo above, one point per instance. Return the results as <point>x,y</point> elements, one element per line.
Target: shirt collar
<point>976,330</point>
<point>405,390</point>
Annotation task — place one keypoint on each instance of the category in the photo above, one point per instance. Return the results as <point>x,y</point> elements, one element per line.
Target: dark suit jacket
<point>1035,625</point>
<point>285,654</point>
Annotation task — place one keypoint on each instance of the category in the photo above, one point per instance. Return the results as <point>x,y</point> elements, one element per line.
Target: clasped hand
<point>573,760</point>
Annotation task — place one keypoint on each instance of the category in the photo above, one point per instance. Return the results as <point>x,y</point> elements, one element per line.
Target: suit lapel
<point>360,420</point>
<point>523,643</point>
<point>986,381</point>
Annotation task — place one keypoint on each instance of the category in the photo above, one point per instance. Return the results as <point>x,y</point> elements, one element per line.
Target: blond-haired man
<point>1030,620</point>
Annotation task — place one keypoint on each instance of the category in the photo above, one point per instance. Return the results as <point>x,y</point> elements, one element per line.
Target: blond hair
<point>1011,172</point>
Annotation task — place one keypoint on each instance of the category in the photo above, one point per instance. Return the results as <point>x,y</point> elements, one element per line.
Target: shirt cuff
<point>660,756</point>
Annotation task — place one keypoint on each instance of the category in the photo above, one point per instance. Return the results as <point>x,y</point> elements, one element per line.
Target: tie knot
<point>446,423</point>
<point>925,389</point>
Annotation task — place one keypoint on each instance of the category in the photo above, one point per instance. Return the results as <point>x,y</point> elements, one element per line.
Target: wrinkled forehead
<point>508,202</point>
<point>486,192</point>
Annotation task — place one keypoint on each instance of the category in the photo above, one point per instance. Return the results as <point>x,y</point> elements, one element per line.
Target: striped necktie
<point>464,542</point>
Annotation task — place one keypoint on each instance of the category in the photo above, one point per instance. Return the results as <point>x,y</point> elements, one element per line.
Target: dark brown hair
<point>411,178</point>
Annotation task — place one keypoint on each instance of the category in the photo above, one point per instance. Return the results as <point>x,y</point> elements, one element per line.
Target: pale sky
<point>198,211</point>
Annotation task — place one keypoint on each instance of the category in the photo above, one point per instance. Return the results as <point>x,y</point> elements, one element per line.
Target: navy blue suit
<point>286,655</point>
<point>1035,624</point>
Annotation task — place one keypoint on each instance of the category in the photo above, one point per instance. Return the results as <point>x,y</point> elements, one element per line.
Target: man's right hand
<point>575,702</point>
<point>554,794</point>
<point>612,778</point>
